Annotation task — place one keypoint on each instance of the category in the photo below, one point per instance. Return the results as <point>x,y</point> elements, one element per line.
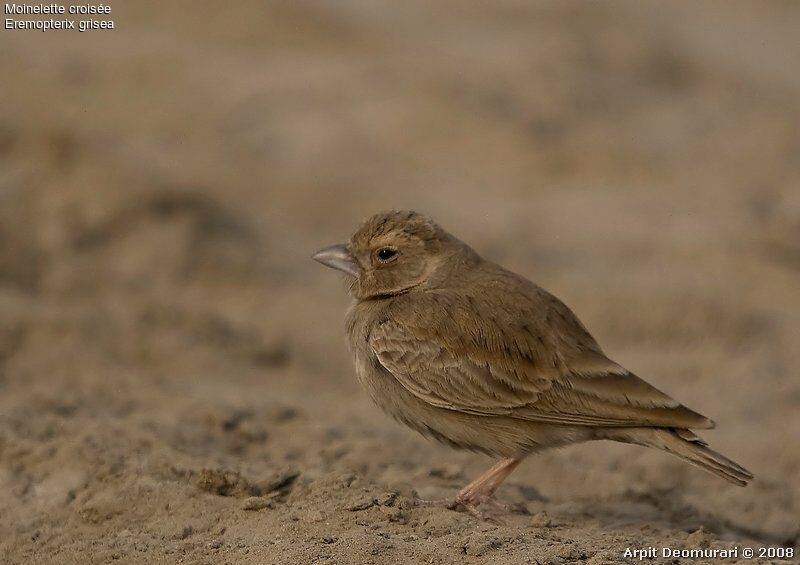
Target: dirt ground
<point>174,382</point>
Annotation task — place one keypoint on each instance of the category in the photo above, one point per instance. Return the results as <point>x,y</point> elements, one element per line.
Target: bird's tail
<point>686,445</point>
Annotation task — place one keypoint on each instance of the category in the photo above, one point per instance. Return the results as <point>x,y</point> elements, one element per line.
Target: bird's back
<point>494,343</point>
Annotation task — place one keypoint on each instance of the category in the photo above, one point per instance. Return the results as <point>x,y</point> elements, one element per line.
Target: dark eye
<point>386,253</point>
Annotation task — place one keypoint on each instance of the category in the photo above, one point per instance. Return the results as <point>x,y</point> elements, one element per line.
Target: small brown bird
<point>464,351</point>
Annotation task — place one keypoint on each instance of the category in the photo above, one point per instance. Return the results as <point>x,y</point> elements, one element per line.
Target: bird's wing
<point>451,379</point>
<point>490,373</point>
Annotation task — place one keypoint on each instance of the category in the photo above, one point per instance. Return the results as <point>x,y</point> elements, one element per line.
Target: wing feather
<point>585,388</point>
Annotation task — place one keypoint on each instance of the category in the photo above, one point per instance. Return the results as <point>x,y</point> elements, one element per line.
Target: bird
<point>480,358</point>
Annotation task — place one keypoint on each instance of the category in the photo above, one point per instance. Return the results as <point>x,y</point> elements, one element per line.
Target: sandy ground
<point>174,384</point>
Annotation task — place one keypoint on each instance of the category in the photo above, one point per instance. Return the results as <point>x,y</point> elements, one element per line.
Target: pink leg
<point>483,477</point>
<point>481,489</point>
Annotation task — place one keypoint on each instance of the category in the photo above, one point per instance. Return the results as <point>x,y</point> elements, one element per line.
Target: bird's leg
<point>481,480</point>
<point>481,489</point>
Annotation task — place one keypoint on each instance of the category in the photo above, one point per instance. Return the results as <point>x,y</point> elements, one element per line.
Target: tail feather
<point>686,445</point>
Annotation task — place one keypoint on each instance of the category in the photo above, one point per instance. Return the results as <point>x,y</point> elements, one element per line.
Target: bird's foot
<point>470,505</point>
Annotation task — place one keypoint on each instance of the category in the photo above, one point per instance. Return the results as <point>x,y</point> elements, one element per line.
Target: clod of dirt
<point>700,538</point>
<point>362,504</point>
<point>226,482</point>
<point>279,480</point>
<point>541,520</point>
<point>258,502</point>
<point>481,543</point>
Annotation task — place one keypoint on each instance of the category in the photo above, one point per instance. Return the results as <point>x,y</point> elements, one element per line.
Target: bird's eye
<point>386,254</point>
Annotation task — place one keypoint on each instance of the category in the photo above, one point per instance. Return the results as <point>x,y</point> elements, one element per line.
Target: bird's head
<point>392,253</point>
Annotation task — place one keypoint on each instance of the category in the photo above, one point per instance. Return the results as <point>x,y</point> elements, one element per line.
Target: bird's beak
<point>337,257</point>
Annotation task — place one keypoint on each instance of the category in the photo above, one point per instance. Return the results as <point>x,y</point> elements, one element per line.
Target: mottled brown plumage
<point>469,353</point>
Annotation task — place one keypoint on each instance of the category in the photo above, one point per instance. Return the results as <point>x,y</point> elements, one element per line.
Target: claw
<point>473,510</point>
<point>442,502</point>
<point>468,506</point>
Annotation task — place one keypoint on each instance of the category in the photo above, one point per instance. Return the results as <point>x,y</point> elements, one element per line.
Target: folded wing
<point>583,388</point>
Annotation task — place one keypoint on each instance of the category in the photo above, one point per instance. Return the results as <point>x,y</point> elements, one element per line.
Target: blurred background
<point>167,348</point>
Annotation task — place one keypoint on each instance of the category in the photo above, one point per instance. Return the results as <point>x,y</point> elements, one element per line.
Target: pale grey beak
<point>337,257</point>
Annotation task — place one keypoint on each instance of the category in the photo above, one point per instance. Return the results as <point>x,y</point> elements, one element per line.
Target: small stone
<point>257,503</point>
<point>540,520</point>
<point>216,544</point>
